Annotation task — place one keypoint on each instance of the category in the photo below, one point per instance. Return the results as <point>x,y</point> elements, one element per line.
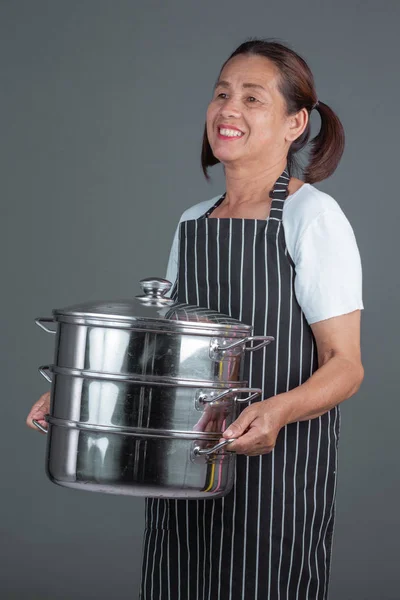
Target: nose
<point>230,108</point>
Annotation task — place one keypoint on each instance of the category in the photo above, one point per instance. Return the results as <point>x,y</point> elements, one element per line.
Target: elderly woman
<point>275,252</point>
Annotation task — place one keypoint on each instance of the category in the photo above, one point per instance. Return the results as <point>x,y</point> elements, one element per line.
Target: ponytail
<point>326,148</point>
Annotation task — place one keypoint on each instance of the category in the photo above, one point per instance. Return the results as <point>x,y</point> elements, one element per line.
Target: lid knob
<point>155,289</point>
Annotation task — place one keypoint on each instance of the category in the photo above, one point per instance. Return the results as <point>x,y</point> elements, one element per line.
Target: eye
<point>221,94</point>
<point>252,98</point>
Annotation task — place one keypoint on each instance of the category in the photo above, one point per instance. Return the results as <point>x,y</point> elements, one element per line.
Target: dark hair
<point>297,87</point>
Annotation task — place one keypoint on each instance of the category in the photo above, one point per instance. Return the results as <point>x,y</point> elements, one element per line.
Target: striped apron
<point>270,538</point>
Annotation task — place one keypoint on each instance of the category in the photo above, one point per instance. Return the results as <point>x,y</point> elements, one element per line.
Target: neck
<point>250,186</point>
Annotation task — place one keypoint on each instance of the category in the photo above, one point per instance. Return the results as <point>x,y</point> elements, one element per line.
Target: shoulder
<point>306,204</point>
<point>305,210</point>
<point>197,210</point>
<point>321,242</point>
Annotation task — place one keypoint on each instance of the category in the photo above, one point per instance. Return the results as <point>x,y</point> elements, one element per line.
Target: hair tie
<point>315,105</point>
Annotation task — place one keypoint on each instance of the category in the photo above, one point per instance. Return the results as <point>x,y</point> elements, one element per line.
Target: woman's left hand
<point>257,428</point>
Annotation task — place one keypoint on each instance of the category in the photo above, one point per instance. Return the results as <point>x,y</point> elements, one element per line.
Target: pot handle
<point>264,341</point>
<point>39,426</point>
<point>200,452</point>
<point>43,370</point>
<point>254,392</point>
<point>40,320</point>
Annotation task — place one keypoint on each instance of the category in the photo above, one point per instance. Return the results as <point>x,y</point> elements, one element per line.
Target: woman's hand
<point>38,412</point>
<point>257,428</point>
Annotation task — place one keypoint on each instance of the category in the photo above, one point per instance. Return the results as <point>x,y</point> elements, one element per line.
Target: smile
<point>225,133</point>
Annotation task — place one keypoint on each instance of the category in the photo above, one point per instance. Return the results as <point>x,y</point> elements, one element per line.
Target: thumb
<point>238,427</point>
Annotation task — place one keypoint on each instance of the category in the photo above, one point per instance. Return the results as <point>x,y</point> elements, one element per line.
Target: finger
<point>41,422</point>
<point>242,423</point>
<point>252,443</point>
<point>202,422</point>
<point>210,427</point>
<point>39,410</point>
<point>39,418</point>
<point>222,423</point>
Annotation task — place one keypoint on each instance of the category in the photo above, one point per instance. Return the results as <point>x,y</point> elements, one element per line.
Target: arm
<point>337,378</point>
<point>340,370</point>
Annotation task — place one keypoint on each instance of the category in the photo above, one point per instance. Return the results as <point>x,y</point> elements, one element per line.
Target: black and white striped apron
<point>270,538</point>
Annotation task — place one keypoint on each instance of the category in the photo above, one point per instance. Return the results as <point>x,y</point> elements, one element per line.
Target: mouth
<point>229,133</point>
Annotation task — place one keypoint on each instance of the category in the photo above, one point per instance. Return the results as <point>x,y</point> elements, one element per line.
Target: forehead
<point>250,69</point>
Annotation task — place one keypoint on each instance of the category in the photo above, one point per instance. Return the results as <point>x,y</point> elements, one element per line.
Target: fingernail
<point>229,432</point>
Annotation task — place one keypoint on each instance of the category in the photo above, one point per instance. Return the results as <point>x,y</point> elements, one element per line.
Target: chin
<point>225,154</point>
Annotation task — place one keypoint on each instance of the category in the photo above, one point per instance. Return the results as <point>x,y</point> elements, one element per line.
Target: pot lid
<point>151,309</point>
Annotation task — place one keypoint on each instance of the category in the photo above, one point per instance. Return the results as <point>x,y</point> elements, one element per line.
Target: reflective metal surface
<point>160,467</point>
<point>138,404</point>
<point>126,352</point>
<point>191,342</point>
<point>128,313</point>
<point>39,426</point>
<point>155,290</point>
<point>140,438</point>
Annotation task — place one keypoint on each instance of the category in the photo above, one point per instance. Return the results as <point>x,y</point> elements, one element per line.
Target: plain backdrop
<point>102,111</point>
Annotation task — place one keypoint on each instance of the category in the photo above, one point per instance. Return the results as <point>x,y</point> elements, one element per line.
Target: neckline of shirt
<point>215,202</point>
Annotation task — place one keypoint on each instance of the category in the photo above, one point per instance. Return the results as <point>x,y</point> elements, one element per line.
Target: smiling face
<point>246,118</point>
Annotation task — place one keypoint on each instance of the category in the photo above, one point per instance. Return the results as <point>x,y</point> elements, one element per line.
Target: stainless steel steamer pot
<point>139,404</point>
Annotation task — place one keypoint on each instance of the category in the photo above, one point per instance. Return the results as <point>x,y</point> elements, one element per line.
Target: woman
<point>275,252</point>
<point>285,261</point>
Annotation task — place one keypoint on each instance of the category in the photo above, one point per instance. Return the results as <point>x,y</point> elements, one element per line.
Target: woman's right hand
<point>38,411</point>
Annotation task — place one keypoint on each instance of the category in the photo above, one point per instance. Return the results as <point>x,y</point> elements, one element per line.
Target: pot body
<point>86,397</point>
<point>138,437</point>
<point>121,351</point>
<point>138,406</point>
<point>135,464</point>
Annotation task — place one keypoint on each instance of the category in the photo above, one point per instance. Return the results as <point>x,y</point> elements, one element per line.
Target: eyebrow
<point>256,86</point>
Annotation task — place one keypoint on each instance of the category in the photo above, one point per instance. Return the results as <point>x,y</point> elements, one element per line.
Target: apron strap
<point>279,194</point>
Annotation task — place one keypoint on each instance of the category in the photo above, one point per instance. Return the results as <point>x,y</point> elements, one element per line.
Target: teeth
<point>230,132</point>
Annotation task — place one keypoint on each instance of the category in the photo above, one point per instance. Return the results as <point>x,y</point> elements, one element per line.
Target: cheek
<point>210,118</point>
<point>264,129</point>
<point>211,110</point>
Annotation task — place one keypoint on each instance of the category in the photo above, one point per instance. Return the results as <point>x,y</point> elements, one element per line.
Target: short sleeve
<point>327,261</point>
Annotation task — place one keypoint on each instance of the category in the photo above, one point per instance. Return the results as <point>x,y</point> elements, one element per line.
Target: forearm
<point>335,381</point>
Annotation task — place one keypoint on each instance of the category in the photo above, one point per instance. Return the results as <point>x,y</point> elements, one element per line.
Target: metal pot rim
<point>134,431</point>
<point>144,379</point>
<point>153,325</point>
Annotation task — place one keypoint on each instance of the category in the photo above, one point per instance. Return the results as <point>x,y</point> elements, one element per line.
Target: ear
<point>296,124</point>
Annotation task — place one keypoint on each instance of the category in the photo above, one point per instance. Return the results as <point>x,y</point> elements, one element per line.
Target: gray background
<point>102,112</point>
